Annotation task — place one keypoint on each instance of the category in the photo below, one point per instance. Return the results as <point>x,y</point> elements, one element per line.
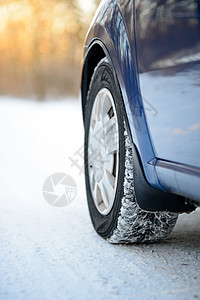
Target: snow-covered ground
<point>48,252</point>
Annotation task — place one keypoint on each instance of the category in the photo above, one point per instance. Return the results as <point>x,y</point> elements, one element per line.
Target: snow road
<point>53,253</point>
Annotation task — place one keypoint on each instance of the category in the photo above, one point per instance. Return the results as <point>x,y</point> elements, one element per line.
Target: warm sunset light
<point>41,46</point>
<point>87,6</point>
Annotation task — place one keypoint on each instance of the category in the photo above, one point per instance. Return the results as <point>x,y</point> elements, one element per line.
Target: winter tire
<point>109,168</point>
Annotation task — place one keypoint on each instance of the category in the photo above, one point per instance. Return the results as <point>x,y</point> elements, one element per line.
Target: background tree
<point>41,47</point>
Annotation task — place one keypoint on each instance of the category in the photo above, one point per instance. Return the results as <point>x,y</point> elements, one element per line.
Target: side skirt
<point>151,199</point>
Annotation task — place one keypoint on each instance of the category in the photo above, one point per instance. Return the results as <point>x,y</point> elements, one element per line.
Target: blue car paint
<point>108,28</point>
<point>168,43</point>
<point>113,30</point>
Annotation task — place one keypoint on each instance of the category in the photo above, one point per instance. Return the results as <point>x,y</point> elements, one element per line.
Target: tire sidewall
<point>104,77</point>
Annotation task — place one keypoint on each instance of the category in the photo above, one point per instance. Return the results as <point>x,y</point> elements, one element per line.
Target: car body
<point>153,47</point>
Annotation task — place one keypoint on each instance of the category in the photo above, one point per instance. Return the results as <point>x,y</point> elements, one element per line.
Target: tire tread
<point>134,224</point>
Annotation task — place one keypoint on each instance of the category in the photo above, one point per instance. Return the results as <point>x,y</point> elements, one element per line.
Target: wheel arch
<point>93,56</point>
<point>108,36</point>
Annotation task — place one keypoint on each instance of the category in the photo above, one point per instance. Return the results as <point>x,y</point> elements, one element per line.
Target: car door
<point>168,50</point>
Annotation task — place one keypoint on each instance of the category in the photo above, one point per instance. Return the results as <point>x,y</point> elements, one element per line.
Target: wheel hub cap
<point>103,154</point>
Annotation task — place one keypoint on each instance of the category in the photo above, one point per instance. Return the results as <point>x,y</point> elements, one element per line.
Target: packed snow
<point>49,252</point>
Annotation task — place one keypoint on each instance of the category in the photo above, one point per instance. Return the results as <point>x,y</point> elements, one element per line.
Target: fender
<point>120,54</point>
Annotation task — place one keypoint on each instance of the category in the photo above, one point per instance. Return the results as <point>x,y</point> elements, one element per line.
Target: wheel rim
<point>103,151</point>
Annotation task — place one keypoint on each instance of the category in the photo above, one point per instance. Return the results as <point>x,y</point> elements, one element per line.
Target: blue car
<point>141,108</point>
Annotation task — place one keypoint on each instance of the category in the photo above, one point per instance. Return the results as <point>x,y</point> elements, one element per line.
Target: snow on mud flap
<point>135,224</point>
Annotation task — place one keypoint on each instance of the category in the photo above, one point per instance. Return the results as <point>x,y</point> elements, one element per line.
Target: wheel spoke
<point>102,149</point>
<point>112,145</point>
<point>97,192</point>
<point>100,107</point>
<point>107,187</point>
<point>106,105</point>
<point>108,163</point>
<point>96,110</point>
<point>105,197</point>
<point>93,181</point>
<point>91,154</point>
<point>110,178</point>
<point>110,125</point>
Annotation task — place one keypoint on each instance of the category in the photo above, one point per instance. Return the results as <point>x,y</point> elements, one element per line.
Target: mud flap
<point>151,199</point>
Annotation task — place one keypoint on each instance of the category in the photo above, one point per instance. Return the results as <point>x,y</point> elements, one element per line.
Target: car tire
<point>109,168</point>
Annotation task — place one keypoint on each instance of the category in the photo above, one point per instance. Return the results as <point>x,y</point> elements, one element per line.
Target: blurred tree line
<point>41,47</point>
